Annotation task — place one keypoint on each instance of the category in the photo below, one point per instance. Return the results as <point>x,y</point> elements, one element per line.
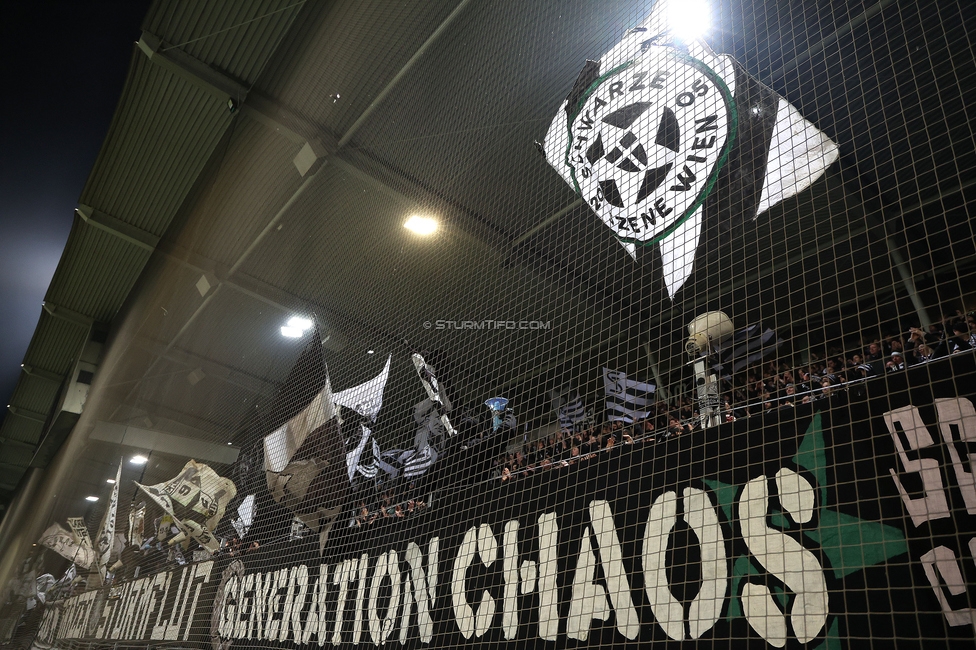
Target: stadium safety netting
<point>529,324</point>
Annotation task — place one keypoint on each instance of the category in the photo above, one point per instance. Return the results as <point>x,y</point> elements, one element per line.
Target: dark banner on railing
<point>820,525</point>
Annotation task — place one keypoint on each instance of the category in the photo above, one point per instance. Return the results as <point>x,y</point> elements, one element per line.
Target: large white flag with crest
<point>662,133</point>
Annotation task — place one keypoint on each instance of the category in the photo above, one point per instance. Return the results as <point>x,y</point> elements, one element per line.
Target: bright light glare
<point>688,19</point>
<point>369,352</point>
<point>421,225</point>
<point>91,498</point>
<point>110,481</point>
<point>296,327</point>
<point>300,323</point>
<point>138,459</point>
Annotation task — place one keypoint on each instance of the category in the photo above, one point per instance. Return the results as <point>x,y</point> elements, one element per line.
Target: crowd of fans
<point>768,386</point>
<point>392,505</point>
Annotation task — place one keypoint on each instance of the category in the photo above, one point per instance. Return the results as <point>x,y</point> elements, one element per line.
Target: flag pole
<point>705,332</point>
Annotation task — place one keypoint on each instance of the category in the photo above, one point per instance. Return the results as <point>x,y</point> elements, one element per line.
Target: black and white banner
<point>820,526</point>
<point>570,411</point>
<point>67,544</point>
<point>628,400</point>
<point>196,499</point>
<point>747,346</point>
<point>660,135</point>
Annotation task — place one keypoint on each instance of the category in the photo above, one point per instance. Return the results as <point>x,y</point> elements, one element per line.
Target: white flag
<point>196,499</point>
<point>367,398</point>
<point>66,544</point>
<point>660,136</point>
<point>282,443</point>
<point>628,400</point>
<point>106,532</point>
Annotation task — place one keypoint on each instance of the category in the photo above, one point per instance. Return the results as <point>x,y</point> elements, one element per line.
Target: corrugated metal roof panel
<point>96,272</point>
<point>355,52</point>
<point>34,393</point>
<point>257,176</point>
<point>234,36</point>
<point>56,344</point>
<point>163,133</point>
<point>20,429</point>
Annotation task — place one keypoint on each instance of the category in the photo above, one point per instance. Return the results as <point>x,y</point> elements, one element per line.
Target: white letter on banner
<point>229,614</point>
<point>666,608</point>
<point>548,589</point>
<point>343,576</point>
<point>589,599</point>
<point>357,629</point>
<point>706,608</point>
<point>386,566</point>
<point>421,590</point>
<point>787,560</point>
<point>243,627</point>
<point>942,561</point>
<point>513,577</point>
<point>958,414</point>
<point>465,556</point>
<point>279,581</point>
<point>295,603</point>
<point>933,505</point>
<point>481,541</point>
<point>613,569</point>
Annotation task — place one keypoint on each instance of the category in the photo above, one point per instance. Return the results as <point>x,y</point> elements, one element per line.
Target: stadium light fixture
<point>688,19</point>
<point>296,327</point>
<point>91,498</point>
<point>110,481</point>
<point>138,459</point>
<point>423,226</point>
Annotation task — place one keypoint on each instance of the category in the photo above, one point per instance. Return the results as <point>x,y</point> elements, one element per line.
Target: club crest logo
<point>648,141</point>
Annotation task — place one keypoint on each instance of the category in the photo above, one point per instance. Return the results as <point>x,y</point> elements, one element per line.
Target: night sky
<point>63,67</point>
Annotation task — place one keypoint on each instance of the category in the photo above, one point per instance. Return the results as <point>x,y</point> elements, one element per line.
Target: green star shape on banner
<point>850,543</point>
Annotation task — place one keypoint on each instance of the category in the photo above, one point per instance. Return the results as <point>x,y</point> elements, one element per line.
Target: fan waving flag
<point>570,410</point>
<point>744,348</point>
<point>628,400</point>
<point>662,134</point>
<point>196,499</point>
<point>106,532</point>
<point>304,455</point>
<point>367,398</point>
<point>68,545</point>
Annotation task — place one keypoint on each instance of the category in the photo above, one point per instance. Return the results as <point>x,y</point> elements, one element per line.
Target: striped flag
<point>628,400</point>
<point>744,348</point>
<point>570,410</point>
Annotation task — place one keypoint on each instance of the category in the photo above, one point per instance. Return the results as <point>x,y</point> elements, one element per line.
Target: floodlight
<point>300,323</point>
<point>421,225</point>
<point>688,19</point>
